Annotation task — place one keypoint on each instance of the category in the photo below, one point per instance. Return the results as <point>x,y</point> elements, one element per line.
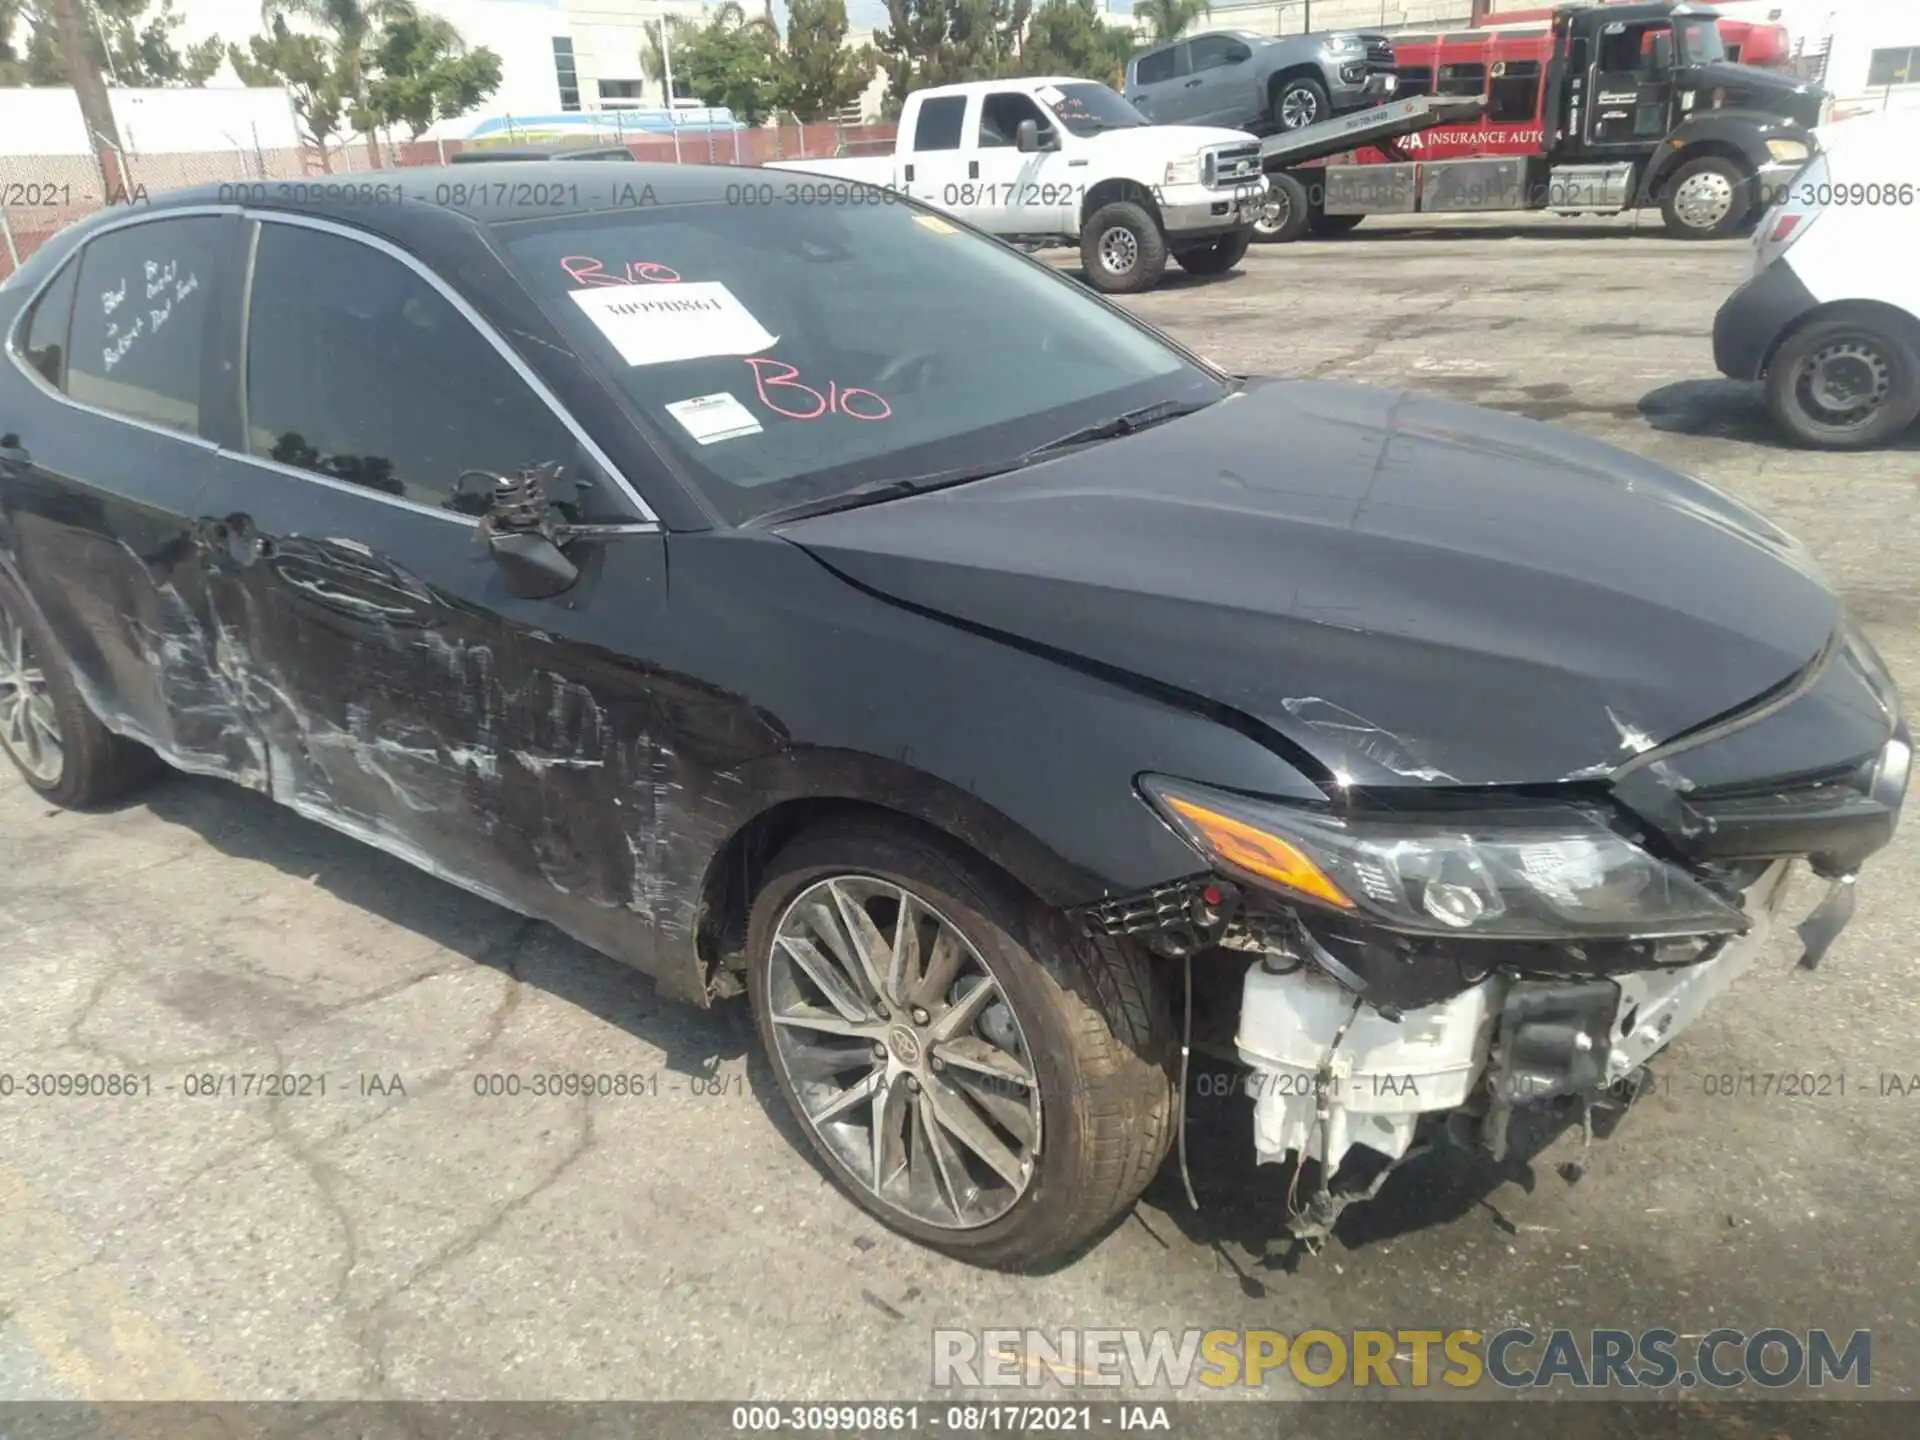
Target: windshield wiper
<point>876,491</point>
<point>1130,423</point>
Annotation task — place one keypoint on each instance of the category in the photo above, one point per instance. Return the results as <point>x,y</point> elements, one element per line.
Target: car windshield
<point>803,339</point>
<point>1699,41</point>
<point>1086,108</point>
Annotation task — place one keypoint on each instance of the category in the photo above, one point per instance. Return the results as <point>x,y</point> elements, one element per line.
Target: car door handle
<point>12,452</point>
<point>1195,81</point>
<point>973,169</point>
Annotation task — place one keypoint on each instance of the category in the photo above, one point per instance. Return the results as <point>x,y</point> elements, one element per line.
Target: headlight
<point>1183,172</point>
<point>1788,151</point>
<point>1340,44</point>
<point>1547,872</point>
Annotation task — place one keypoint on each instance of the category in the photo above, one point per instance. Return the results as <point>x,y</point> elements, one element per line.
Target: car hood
<point>1412,591</point>
<point>1175,138</point>
<point>1752,87</point>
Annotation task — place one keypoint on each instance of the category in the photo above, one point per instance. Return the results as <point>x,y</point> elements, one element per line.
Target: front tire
<point>1122,248</point>
<point>1845,384</point>
<point>1217,257</point>
<point>1300,102</point>
<point>58,745</point>
<point>1706,199</point>
<point>1284,212</point>
<point>983,1079</point>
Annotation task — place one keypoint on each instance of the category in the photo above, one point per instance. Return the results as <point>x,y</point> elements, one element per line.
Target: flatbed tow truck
<point>1612,108</point>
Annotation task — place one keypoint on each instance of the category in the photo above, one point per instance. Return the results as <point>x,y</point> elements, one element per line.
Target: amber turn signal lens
<point>1258,853</point>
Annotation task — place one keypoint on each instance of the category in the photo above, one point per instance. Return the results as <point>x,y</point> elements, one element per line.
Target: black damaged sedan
<point>827,603</point>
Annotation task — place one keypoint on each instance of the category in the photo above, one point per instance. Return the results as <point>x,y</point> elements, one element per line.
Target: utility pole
<point>103,136</point>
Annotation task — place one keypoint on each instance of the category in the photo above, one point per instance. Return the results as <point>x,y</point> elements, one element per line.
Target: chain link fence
<point>42,194</point>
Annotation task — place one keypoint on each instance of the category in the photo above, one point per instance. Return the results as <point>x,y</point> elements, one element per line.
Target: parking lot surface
<point>406,1235</point>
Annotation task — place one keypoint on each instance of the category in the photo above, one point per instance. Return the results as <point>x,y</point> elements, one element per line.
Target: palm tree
<point>348,27</point>
<point>1170,19</point>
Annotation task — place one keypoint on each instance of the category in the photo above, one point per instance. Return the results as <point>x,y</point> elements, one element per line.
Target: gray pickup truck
<point>1261,83</point>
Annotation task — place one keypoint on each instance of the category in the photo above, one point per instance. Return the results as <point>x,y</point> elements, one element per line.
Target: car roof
<point>511,190</point>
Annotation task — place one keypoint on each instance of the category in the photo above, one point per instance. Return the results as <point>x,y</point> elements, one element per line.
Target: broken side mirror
<point>524,532</point>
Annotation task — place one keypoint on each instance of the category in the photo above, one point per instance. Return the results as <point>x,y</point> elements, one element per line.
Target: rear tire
<point>1845,384</point>
<point>1081,1018</point>
<point>1284,213</point>
<point>1706,199</point>
<point>58,745</point>
<point>1122,248</point>
<point>1217,257</point>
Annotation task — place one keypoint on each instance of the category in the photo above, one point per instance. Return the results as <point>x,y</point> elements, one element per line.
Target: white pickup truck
<point>1062,161</point>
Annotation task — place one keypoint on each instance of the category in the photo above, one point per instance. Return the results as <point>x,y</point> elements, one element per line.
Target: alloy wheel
<point>29,723</point>
<point>1273,213</point>
<point>1119,250</point>
<point>904,1051</point>
<point>1844,382</point>
<point>1298,109</point>
<point>1703,200</point>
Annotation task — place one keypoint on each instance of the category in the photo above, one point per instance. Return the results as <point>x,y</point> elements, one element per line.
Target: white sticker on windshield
<point>708,418</point>
<point>1052,94</point>
<point>658,324</point>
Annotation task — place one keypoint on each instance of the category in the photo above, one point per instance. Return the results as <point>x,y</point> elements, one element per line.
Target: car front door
<point>104,449</point>
<point>1159,90</point>
<point>402,691</point>
<point>1021,193</point>
<point>1225,92</point>
<point>1631,106</point>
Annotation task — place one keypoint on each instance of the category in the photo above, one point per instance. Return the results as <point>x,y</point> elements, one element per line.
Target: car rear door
<point>104,454</point>
<point>1159,83</point>
<point>935,168</point>
<point>402,693</point>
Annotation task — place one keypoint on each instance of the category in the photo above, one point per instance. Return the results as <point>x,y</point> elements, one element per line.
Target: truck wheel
<point>970,1068</point>
<point>1706,199</point>
<point>1122,248</point>
<point>1844,384</point>
<point>1284,213</point>
<point>1327,226</point>
<point>1217,258</point>
<point>60,748</point>
<point>1300,102</point>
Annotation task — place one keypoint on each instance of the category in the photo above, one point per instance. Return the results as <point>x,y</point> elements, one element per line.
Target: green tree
<point>306,65</point>
<point>421,71</point>
<point>732,61</point>
<point>347,29</point>
<point>680,33</point>
<point>940,42</point>
<point>820,75</point>
<point>1169,19</point>
<point>1071,37</point>
<point>131,42</point>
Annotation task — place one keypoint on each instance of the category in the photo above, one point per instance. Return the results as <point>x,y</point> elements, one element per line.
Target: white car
<point>1060,161</point>
<point>1830,319</point>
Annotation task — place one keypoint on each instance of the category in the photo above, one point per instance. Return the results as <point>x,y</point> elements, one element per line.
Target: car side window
<point>45,340</point>
<point>940,123</point>
<point>1211,52</point>
<point>360,370</point>
<point>140,320</point>
<point>1001,114</point>
<point>1154,66</point>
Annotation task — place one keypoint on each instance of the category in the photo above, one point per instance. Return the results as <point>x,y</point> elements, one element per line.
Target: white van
<point>1831,318</point>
